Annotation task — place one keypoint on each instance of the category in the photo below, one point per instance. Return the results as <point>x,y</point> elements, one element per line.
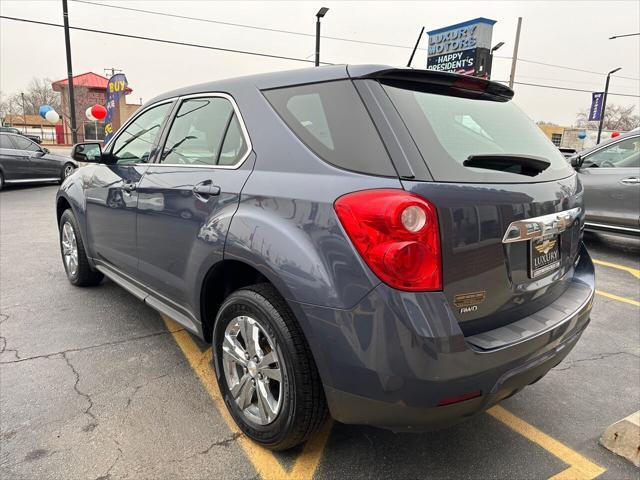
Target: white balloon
<point>52,116</point>
<point>89,115</point>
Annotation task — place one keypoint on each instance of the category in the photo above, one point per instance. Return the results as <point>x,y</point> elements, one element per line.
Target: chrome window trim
<point>243,128</point>
<point>537,227</point>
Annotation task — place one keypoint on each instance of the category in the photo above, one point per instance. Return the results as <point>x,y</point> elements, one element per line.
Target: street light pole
<point>490,69</point>
<point>321,13</point>
<point>604,102</point>
<point>67,44</point>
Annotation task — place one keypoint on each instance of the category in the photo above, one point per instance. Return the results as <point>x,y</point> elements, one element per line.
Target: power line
<point>562,66</point>
<point>342,39</point>
<point>160,40</point>
<point>241,25</point>
<point>556,87</point>
<point>246,52</point>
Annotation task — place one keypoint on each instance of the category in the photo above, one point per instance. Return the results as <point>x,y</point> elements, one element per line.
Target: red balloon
<point>615,134</point>
<point>99,112</point>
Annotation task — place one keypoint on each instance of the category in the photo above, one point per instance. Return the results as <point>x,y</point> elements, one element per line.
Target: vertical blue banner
<point>115,89</point>
<point>596,106</point>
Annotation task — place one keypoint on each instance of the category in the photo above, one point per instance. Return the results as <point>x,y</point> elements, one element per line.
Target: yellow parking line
<point>580,467</point>
<point>263,460</point>
<point>633,271</point>
<point>620,299</point>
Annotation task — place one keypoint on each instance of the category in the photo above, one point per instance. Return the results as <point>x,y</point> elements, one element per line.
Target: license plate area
<point>544,255</point>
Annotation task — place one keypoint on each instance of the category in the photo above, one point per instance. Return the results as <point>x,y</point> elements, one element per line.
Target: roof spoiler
<point>443,83</point>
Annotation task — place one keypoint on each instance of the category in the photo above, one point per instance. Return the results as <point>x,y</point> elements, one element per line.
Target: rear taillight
<point>396,233</point>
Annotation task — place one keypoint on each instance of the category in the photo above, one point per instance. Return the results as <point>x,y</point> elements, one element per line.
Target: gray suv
<point>400,248</point>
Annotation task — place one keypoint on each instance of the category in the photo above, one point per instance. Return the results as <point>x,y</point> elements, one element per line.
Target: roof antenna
<point>415,47</point>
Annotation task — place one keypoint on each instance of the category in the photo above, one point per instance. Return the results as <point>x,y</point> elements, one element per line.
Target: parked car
<point>401,247</point>
<point>567,152</point>
<point>24,161</point>
<point>35,138</point>
<point>610,173</point>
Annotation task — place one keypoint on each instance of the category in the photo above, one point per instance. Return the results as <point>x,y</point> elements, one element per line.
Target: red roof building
<point>89,89</point>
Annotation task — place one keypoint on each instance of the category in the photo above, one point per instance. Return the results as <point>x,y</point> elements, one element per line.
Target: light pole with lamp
<point>604,102</point>
<point>493,49</point>
<point>321,13</point>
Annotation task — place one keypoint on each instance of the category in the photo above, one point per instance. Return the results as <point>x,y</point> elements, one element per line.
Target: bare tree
<point>616,117</point>
<point>38,93</point>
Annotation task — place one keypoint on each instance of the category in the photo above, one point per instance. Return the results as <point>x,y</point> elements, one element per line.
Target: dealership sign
<point>461,48</point>
<point>595,112</point>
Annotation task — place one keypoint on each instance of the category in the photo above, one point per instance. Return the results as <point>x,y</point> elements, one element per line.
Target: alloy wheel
<point>69,249</point>
<point>68,170</point>
<point>252,369</point>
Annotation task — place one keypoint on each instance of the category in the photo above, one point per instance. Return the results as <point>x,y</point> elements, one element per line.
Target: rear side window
<point>448,130</point>
<point>5,142</point>
<point>332,121</point>
<point>23,143</point>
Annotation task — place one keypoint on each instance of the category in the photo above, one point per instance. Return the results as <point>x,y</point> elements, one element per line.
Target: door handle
<point>206,189</point>
<point>630,180</point>
<point>129,186</point>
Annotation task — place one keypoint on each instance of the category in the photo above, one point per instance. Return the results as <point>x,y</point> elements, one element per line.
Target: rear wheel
<point>1,181</point>
<point>265,370</point>
<point>74,257</point>
<point>68,169</point>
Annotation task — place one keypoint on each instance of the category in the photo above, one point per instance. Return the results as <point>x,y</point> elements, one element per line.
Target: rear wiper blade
<point>505,162</point>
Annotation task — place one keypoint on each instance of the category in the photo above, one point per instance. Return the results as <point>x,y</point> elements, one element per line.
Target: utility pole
<point>604,102</point>
<point>413,52</point>
<point>112,70</point>
<point>67,44</point>
<point>321,13</point>
<point>514,59</point>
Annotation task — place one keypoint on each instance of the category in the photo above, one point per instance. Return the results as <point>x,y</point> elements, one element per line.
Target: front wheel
<point>74,257</point>
<point>265,371</point>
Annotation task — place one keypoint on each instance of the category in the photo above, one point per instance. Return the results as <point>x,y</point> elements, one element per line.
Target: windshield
<point>449,130</point>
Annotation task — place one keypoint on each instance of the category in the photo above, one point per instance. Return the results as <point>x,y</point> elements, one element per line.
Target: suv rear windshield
<point>332,121</point>
<point>448,130</point>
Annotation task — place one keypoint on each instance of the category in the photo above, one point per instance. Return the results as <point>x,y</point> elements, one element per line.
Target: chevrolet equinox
<point>399,248</point>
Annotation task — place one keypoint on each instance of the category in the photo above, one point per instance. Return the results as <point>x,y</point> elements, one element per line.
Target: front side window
<point>332,121</point>
<point>22,143</point>
<point>135,142</point>
<point>624,154</point>
<point>205,131</point>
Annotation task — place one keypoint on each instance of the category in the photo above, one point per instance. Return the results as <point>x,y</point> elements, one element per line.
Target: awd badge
<point>468,302</point>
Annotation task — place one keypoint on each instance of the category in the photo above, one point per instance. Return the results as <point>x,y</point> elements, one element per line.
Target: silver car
<point>610,173</point>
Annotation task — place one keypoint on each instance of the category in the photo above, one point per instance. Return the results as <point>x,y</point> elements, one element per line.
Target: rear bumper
<point>390,360</point>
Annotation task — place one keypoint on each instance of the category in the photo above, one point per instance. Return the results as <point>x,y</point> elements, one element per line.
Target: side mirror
<point>45,150</point>
<point>87,152</point>
<point>576,161</point>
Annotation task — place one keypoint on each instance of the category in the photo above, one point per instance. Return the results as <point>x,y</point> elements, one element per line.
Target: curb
<point>623,438</point>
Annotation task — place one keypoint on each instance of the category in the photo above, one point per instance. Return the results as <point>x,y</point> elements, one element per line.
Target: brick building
<point>89,89</point>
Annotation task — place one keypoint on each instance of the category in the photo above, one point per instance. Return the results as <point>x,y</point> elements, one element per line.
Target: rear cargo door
<point>509,205</point>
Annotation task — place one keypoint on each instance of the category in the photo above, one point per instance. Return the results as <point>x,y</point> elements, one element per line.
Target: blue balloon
<point>582,135</point>
<point>44,109</point>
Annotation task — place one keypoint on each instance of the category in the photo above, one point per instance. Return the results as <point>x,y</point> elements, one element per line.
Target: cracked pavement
<point>93,386</point>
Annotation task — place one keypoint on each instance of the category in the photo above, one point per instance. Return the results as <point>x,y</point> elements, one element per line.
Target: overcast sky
<point>570,33</point>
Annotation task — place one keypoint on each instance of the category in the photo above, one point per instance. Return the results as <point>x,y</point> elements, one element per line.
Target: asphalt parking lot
<point>96,385</point>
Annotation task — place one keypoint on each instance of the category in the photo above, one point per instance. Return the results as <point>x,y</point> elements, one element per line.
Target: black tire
<point>84,276</point>
<point>304,407</point>
<point>1,181</point>
<point>67,170</point>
